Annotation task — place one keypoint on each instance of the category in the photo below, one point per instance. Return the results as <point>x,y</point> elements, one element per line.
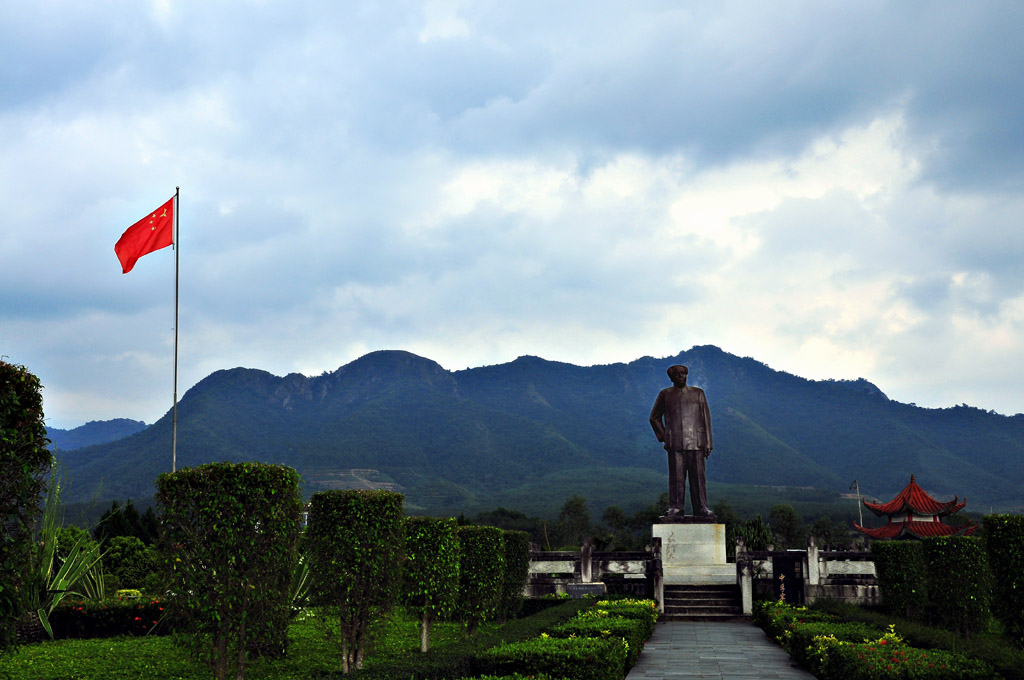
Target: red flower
<point>882,642</point>
<point>138,618</point>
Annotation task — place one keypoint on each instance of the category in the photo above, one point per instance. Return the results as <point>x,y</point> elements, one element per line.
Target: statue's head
<point>677,374</point>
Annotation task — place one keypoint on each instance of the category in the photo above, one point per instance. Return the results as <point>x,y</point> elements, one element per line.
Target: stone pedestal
<point>694,554</point>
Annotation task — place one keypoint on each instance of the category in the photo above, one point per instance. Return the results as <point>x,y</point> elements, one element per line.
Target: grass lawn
<point>157,658</point>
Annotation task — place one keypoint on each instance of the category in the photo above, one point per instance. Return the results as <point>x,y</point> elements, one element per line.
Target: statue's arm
<point>657,412</point>
<point>707,421</point>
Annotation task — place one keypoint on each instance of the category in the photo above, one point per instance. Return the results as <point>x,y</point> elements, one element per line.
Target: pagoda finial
<point>911,477</point>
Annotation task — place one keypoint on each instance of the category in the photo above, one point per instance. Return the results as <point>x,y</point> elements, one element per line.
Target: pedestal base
<point>694,554</point>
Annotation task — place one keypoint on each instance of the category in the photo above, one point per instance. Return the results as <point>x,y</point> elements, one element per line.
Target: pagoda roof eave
<point>915,499</point>
<point>896,530</point>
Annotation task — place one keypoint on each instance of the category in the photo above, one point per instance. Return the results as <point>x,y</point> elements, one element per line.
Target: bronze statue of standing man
<point>681,419</point>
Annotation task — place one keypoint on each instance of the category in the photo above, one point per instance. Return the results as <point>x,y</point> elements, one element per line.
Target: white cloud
<point>475,181</point>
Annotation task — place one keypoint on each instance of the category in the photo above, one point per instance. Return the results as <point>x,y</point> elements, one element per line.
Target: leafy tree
<point>616,518</point>
<point>355,541</point>
<point>230,538</point>
<point>431,575</point>
<point>126,521</point>
<point>24,462</point>
<point>616,532</point>
<point>653,512</point>
<point>574,519</point>
<point>130,561</point>
<point>512,520</point>
<point>111,524</point>
<point>787,527</point>
<point>757,534</point>
<point>829,534</point>
<point>733,525</point>
<point>67,537</point>
<point>149,527</point>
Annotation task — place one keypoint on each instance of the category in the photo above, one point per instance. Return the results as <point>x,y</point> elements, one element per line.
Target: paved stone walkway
<point>714,651</point>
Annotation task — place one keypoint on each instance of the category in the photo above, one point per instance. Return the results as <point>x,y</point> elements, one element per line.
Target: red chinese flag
<point>152,232</point>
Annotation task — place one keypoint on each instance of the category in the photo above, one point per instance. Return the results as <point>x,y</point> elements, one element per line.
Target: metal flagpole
<point>860,511</point>
<point>177,245</point>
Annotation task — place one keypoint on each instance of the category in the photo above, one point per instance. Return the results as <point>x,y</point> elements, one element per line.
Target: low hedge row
<point>1007,660</point>
<point>601,642</point>
<point>631,620</point>
<point>575,639</point>
<point>514,676</point>
<point>108,618</point>
<point>629,630</point>
<point>644,611</point>
<point>457,660</point>
<point>587,658</point>
<point>889,658</point>
<point>837,650</point>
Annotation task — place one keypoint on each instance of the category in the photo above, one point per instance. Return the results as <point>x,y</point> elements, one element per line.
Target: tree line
<point>617,530</point>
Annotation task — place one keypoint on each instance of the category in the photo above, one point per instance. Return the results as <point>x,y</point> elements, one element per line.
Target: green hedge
<point>481,574</point>
<point>355,540</point>
<point>517,573</point>
<point>1004,543</point>
<point>901,572</point>
<point>431,572</point>
<point>959,583</point>
<point>109,618</point>
<point>229,536</point>
<point>572,658</point>
<point>24,461</point>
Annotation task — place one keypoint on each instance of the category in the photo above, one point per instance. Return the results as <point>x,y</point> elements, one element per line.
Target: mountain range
<point>93,432</point>
<point>524,433</point>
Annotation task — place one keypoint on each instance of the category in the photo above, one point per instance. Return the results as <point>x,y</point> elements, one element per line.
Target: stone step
<point>719,618</point>
<point>702,603</point>
<point>700,609</point>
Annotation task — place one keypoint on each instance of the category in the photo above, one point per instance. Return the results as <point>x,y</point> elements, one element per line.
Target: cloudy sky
<point>835,189</point>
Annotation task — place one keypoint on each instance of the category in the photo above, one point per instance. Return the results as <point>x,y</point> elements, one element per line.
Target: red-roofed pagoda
<point>915,514</point>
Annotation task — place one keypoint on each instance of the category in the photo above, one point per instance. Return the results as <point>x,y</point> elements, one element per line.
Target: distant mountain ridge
<point>93,432</point>
<point>455,440</point>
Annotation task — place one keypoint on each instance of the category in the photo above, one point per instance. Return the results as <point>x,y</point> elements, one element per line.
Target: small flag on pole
<point>153,232</point>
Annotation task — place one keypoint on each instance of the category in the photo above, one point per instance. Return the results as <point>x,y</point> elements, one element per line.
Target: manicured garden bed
<point>835,647</point>
<point>394,654</point>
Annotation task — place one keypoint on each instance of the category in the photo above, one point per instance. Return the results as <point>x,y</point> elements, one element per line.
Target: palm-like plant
<point>81,572</point>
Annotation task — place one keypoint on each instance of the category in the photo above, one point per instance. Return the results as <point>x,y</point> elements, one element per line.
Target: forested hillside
<point>531,428</point>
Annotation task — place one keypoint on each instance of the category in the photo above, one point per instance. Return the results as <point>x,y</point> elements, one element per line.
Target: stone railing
<point>805,576</point>
<point>596,572</point>
<point>799,576</point>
